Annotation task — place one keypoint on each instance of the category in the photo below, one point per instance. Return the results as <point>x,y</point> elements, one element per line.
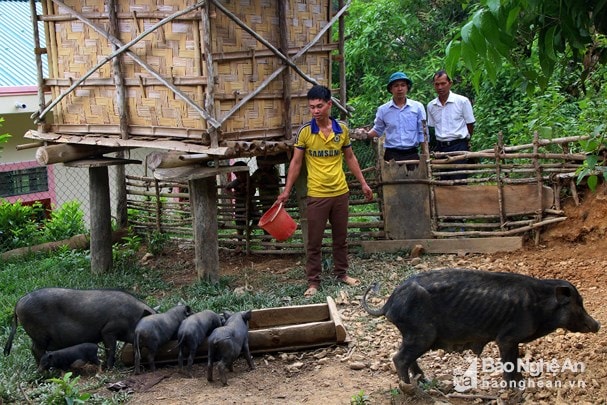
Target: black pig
<point>227,342</point>
<point>155,330</point>
<point>192,333</point>
<point>459,309</point>
<point>64,358</point>
<point>55,318</point>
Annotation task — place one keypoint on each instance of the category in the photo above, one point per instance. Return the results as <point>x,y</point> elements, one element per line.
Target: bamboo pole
<point>341,39</point>
<point>510,232</point>
<point>38,52</point>
<point>540,188</point>
<point>426,155</point>
<point>122,107</point>
<point>158,207</point>
<point>286,74</point>
<point>500,184</point>
<point>207,50</point>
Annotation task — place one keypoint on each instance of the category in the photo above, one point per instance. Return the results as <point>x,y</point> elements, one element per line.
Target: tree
<point>385,36</point>
<point>524,31</point>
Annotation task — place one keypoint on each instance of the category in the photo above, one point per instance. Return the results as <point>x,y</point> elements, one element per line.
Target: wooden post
<point>286,74</point>
<point>498,174</point>
<point>540,186</point>
<point>123,115</point>
<point>406,209</point>
<point>203,199</point>
<point>101,224</point>
<point>342,59</point>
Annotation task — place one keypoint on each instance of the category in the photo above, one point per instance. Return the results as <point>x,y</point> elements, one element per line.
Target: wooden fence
<point>163,206</point>
<point>509,190</point>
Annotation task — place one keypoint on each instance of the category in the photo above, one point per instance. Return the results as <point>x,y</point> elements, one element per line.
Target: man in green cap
<point>401,121</point>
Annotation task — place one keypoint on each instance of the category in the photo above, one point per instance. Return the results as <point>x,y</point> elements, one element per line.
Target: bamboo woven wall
<point>176,51</point>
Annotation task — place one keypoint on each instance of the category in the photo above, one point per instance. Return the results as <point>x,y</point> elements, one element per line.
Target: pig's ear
<point>146,313</point>
<point>563,295</point>
<point>247,315</point>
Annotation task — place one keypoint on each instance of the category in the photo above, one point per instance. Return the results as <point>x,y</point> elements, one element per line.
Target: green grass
<point>66,268</point>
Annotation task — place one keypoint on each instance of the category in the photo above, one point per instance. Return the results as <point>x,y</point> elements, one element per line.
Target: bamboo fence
<point>164,206</point>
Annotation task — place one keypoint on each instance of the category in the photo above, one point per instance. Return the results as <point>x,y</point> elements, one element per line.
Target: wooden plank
<point>340,330</point>
<point>407,207</point>
<point>483,199</point>
<point>268,317</point>
<point>458,245</point>
<point>312,334</point>
<point>99,139</point>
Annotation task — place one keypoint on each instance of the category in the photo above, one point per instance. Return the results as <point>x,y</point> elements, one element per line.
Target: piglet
<point>64,358</point>
<point>193,331</point>
<point>227,342</point>
<point>155,330</point>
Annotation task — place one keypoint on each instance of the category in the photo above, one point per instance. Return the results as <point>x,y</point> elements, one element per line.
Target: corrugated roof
<point>17,58</point>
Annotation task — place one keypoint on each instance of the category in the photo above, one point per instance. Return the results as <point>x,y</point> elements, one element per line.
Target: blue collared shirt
<point>402,127</point>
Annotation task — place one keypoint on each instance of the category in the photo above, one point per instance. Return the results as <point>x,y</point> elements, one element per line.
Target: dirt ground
<point>362,371</point>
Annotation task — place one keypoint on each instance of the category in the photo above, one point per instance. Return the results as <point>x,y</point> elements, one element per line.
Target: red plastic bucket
<point>278,223</point>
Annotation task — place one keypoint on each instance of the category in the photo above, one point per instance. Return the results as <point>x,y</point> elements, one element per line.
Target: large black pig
<point>55,318</point>
<point>459,309</point>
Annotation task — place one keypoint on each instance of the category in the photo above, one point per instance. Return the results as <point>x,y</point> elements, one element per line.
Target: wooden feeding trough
<point>274,330</point>
<point>200,82</point>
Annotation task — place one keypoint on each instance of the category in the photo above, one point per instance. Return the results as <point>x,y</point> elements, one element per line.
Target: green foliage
<point>360,399</point>
<point>19,224</point>
<point>157,240</point>
<point>534,36</point>
<point>385,36</point>
<point>65,391</point>
<point>124,255</point>
<point>594,165</point>
<point>25,225</point>
<point>65,222</point>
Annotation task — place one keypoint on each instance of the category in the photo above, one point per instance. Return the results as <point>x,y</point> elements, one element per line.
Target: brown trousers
<point>319,210</point>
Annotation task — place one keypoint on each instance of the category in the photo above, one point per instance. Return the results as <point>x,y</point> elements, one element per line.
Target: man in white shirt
<point>452,118</point>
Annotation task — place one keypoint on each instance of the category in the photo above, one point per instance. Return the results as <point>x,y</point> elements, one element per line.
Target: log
<point>30,145</point>
<point>61,153</point>
<point>75,242</point>
<point>167,160</point>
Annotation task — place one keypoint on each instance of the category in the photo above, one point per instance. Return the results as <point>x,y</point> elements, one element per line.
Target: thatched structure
<point>207,81</point>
